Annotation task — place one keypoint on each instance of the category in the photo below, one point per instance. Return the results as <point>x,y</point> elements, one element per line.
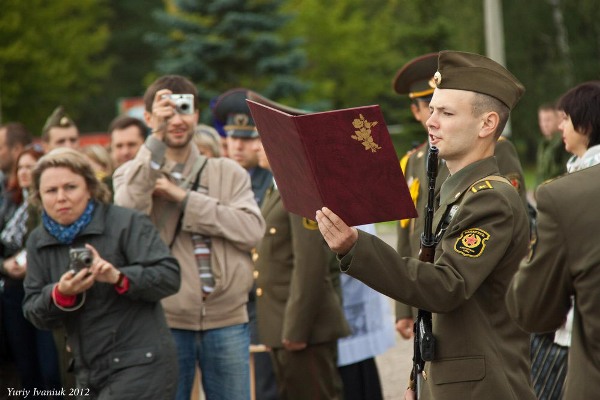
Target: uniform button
<point>255,273</point>
<point>254,257</point>
<point>116,359</point>
<point>272,231</point>
<point>148,355</point>
<point>259,292</point>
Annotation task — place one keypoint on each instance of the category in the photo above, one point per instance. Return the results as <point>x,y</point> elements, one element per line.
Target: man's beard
<point>179,145</point>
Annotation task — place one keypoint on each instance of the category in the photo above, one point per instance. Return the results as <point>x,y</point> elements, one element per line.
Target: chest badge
<point>310,224</point>
<point>471,242</point>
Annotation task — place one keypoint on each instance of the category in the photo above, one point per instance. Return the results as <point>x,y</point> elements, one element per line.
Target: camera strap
<point>199,167</point>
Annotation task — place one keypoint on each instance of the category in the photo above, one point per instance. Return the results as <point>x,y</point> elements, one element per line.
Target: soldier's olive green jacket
<point>565,262</point>
<point>409,231</point>
<point>480,353</point>
<point>297,277</point>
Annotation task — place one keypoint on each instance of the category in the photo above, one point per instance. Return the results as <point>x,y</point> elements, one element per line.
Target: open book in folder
<point>341,159</point>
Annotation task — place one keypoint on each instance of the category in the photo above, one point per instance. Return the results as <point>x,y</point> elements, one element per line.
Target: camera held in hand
<point>80,257</point>
<point>184,103</point>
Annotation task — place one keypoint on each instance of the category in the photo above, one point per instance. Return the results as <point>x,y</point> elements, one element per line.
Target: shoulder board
<point>486,183</point>
<point>501,138</point>
<point>481,185</point>
<point>404,159</point>
<point>555,178</point>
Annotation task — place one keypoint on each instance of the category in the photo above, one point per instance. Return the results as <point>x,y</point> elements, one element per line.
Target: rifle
<point>424,342</point>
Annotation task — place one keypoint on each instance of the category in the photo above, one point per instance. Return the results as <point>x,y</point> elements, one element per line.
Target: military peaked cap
<point>415,78</point>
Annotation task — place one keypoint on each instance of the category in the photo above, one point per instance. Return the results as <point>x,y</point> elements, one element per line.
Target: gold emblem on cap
<point>64,121</point>
<point>240,119</point>
<point>437,78</point>
<point>431,82</point>
<point>363,134</point>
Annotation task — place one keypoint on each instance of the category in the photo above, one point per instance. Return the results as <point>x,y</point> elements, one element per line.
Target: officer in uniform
<point>482,231</point>
<point>299,308</point>
<point>415,79</point>
<point>231,111</point>
<point>563,263</point>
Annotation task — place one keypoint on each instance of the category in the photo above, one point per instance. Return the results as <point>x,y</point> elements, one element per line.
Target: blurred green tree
<point>132,60</point>
<point>49,55</point>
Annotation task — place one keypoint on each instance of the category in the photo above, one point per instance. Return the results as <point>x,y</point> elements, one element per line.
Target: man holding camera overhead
<point>206,212</point>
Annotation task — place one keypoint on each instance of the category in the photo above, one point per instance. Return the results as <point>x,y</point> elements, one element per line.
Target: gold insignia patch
<point>479,186</point>
<point>471,242</point>
<point>363,134</point>
<point>310,224</point>
<point>413,187</point>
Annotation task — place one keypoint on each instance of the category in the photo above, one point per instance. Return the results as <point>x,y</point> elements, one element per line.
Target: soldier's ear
<point>489,124</point>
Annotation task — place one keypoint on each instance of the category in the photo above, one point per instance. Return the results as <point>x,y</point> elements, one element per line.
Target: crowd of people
<point>155,266</point>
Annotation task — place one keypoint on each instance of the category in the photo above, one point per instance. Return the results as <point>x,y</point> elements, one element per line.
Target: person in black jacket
<point>108,299</point>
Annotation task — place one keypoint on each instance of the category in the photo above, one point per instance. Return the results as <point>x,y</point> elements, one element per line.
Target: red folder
<point>341,159</point>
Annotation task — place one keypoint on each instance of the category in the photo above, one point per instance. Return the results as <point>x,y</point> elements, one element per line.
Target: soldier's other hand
<point>293,346</point>
<point>339,236</point>
<point>404,327</point>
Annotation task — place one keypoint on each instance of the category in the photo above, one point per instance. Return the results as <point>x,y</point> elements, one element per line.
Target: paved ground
<point>395,364</point>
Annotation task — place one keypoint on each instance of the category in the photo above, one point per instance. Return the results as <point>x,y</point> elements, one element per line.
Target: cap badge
<point>64,121</point>
<point>431,82</point>
<point>363,134</point>
<point>437,78</point>
<point>240,119</point>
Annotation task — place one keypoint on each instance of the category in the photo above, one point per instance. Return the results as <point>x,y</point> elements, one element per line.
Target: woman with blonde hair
<point>100,271</point>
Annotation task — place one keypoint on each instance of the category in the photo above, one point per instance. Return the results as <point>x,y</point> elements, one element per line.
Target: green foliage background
<point>314,54</point>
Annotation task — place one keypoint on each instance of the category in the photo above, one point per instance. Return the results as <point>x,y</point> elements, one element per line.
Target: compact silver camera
<point>80,257</point>
<point>184,103</point>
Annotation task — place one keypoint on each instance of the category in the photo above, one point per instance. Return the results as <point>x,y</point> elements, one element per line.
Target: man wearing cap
<point>233,113</point>
<point>482,232</point>
<point>205,210</point>
<point>415,79</point>
<point>60,131</point>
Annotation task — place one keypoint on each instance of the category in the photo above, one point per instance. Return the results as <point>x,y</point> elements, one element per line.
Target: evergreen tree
<point>222,44</point>
<point>49,55</point>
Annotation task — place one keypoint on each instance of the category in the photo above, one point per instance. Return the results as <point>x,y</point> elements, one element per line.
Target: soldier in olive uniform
<point>299,308</point>
<point>60,131</point>
<point>564,261</point>
<point>482,230</point>
<point>415,79</point>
